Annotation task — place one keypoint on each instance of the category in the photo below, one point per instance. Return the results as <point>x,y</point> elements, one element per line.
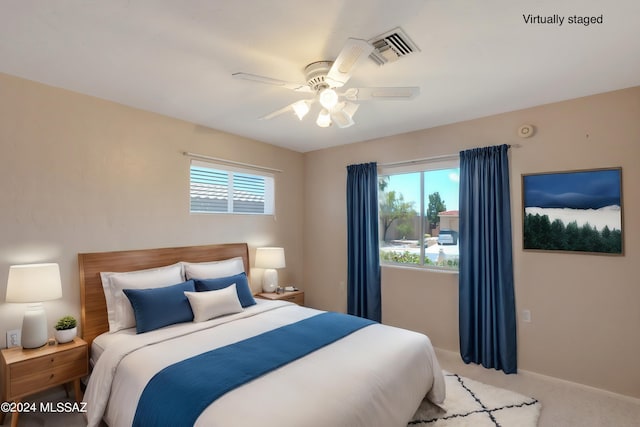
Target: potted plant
<point>66,329</point>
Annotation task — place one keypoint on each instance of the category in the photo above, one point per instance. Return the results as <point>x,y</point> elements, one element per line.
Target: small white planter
<point>65,335</point>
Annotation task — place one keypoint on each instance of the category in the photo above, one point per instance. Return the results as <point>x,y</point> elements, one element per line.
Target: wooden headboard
<point>94,306</point>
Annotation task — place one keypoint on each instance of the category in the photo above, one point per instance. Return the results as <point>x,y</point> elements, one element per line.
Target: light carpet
<point>472,403</point>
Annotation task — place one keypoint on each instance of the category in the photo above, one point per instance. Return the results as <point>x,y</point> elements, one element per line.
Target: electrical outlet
<point>13,338</point>
<point>526,316</point>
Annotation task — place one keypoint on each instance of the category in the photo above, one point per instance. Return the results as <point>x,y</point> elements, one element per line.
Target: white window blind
<point>216,188</point>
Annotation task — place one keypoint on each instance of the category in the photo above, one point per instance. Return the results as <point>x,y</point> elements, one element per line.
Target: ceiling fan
<point>323,78</point>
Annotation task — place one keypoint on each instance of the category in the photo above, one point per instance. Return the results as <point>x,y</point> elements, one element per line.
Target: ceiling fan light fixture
<point>350,108</point>
<point>328,98</point>
<point>301,108</point>
<point>342,119</point>
<point>324,119</point>
<point>342,114</point>
<point>324,77</point>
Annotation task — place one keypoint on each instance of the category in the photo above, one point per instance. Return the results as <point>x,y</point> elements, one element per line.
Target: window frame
<point>419,166</point>
<point>232,171</point>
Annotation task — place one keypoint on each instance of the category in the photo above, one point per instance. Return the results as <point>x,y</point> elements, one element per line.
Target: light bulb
<point>328,98</point>
<point>324,119</point>
<point>301,108</point>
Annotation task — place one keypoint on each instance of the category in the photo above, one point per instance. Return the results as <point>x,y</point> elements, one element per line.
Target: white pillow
<point>211,304</point>
<point>213,269</point>
<point>119,310</point>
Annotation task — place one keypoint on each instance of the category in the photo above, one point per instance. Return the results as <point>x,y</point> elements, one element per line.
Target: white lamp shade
<point>343,115</point>
<point>34,283</point>
<point>270,258</point>
<point>324,119</point>
<point>350,108</point>
<point>301,108</point>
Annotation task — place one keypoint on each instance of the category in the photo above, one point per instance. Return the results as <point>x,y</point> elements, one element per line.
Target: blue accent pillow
<point>159,307</point>
<point>242,287</point>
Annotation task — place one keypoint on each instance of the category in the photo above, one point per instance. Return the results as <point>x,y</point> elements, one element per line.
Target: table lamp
<point>34,283</point>
<point>270,259</point>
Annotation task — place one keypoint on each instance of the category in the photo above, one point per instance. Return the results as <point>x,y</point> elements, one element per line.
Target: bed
<point>367,375</point>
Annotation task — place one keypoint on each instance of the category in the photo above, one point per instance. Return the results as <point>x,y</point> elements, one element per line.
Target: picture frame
<point>578,211</point>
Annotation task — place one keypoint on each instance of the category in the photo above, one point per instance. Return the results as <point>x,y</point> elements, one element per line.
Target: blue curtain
<point>363,270</point>
<point>487,304</point>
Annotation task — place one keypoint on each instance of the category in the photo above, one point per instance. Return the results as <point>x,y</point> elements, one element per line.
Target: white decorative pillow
<point>211,304</point>
<point>214,269</point>
<point>119,310</point>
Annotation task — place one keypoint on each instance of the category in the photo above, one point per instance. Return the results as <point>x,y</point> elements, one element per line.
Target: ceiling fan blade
<point>293,107</point>
<point>352,52</point>
<point>298,87</point>
<point>381,93</point>
<point>277,112</point>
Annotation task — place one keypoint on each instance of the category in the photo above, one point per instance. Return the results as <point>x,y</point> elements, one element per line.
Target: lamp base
<point>34,326</point>
<point>270,280</point>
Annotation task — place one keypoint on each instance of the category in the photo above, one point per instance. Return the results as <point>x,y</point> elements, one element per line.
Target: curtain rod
<point>231,162</point>
<point>422,160</point>
<point>444,157</point>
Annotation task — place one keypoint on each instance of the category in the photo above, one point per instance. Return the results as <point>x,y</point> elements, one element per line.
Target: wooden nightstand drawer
<point>297,298</point>
<point>293,296</point>
<point>30,371</point>
<point>27,371</point>
<point>48,362</point>
<point>40,380</point>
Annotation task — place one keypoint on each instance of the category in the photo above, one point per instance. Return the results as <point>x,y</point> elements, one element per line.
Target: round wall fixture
<point>526,131</point>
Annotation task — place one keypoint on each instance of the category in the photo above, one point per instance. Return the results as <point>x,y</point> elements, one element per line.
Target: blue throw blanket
<point>177,395</point>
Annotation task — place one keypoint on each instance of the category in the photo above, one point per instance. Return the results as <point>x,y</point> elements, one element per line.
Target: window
<point>216,188</point>
<point>419,221</point>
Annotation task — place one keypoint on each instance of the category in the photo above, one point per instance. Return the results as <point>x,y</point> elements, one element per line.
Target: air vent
<point>391,46</point>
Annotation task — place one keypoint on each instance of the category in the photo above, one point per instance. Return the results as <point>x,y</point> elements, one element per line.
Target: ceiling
<point>176,58</point>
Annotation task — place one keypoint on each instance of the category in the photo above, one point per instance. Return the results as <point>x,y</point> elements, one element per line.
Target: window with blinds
<point>216,188</point>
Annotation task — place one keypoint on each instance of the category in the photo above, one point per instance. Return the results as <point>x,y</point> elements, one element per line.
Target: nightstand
<point>27,371</point>
<point>293,296</point>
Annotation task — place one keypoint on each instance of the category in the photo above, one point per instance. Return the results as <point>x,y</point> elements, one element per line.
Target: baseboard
<point>586,387</point>
<point>531,374</point>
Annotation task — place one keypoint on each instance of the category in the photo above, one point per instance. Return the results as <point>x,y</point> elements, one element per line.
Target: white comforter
<point>376,376</point>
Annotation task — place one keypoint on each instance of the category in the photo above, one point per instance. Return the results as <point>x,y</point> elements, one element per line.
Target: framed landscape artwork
<point>577,211</point>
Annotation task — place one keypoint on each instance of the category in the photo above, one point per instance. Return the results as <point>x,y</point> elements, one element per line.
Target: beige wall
<point>585,308</point>
<point>79,174</point>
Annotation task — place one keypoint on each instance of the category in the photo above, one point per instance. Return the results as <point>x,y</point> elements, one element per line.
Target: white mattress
<point>103,341</point>
<point>376,376</point>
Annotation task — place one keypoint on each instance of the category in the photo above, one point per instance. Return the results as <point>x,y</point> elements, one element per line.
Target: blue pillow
<point>242,287</point>
<point>159,307</point>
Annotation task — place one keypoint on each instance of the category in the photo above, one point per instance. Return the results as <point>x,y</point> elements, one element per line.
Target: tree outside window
<point>411,208</point>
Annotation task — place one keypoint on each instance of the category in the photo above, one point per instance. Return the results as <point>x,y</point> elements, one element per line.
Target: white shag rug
<point>471,403</point>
